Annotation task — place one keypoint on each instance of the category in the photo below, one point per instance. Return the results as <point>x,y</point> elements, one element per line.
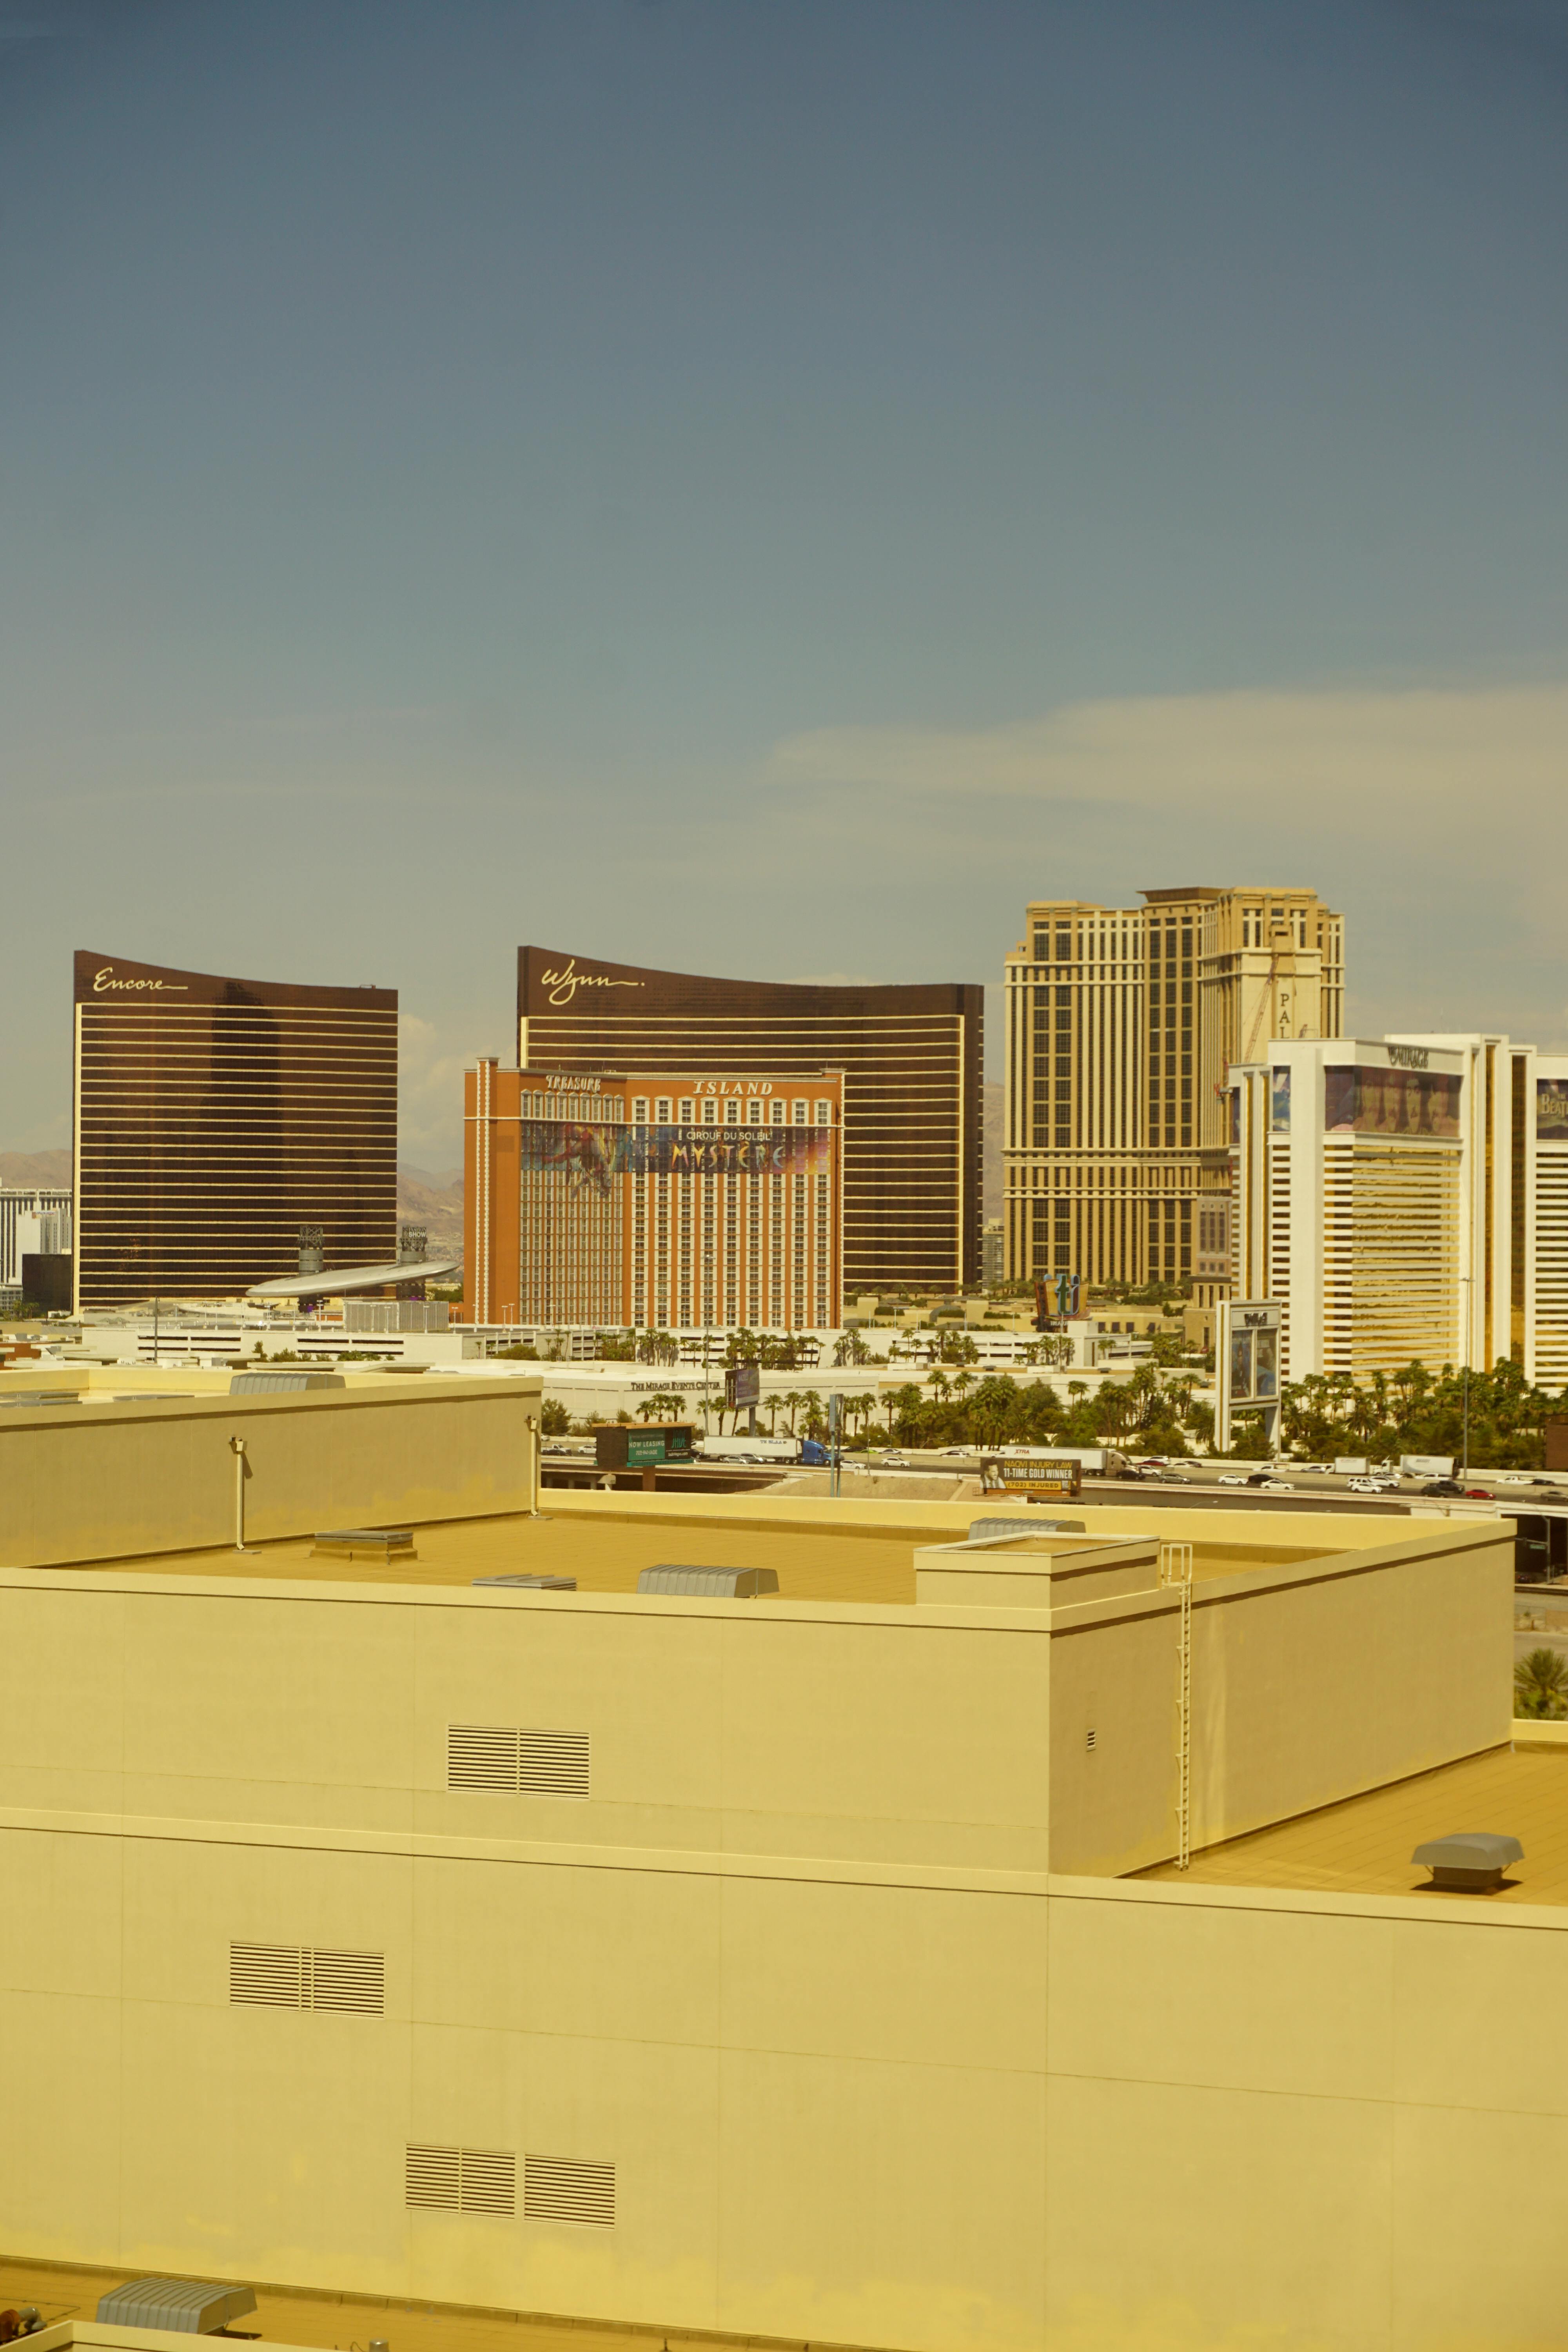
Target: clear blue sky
<point>664,478</point>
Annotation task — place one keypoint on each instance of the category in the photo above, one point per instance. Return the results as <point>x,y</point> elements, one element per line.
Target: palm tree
<point>1540,1683</point>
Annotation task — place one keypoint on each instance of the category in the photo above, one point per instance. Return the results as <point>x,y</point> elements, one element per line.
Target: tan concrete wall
<point>868,2075</point>
<point>94,1481</point>
<point>1311,1682</point>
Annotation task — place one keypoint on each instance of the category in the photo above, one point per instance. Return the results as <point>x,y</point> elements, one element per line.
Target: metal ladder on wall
<point>1177,1568</point>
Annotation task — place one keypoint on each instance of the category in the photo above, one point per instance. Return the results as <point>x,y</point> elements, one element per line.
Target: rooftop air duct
<point>709,1584</point>
<point>1472,1862</point>
<point>183,2307</point>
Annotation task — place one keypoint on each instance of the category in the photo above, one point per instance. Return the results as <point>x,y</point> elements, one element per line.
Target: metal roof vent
<point>385,1545</point>
<point>988,1530</point>
<point>531,1583</point>
<point>1472,1862</point>
<point>185,2307</point>
<point>709,1584</point>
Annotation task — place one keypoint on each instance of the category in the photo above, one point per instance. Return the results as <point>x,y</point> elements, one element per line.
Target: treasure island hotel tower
<point>219,1123</point>
<point>1122,1025</point>
<point>900,1072</point>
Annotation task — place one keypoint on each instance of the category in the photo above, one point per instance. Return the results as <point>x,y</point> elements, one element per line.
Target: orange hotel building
<point>655,1201</point>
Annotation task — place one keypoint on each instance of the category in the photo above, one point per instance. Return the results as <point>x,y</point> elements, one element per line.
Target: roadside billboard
<point>1053,1476</point>
<point>1248,1350</point>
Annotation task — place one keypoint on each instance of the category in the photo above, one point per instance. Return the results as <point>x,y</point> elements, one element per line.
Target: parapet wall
<point>115,1481</point>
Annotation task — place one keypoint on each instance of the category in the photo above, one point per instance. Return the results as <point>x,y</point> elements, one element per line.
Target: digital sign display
<point>596,1153</point>
<point>1363,1100</point>
<point>1552,1110</point>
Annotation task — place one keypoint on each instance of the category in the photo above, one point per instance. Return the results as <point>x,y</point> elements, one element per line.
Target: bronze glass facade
<point>216,1117</point>
<point>911,1064</point>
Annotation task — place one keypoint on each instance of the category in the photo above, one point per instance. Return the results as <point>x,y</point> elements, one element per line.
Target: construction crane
<point>1279,932</point>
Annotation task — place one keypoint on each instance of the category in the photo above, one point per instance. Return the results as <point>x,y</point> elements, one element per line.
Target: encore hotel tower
<point>911,1059</point>
<point>217,1118</point>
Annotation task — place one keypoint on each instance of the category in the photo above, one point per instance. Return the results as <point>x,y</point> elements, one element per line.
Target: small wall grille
<point>558,2188</point>
<point>517,1762</point>
<point>301,1976</point>
<point>460,2180</point>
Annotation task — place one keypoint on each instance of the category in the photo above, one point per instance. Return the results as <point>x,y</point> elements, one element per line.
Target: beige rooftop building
<point>1122,1024</point>
<point>817,1968</point>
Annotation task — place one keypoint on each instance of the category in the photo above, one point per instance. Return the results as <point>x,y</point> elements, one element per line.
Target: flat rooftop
<point>1364,1845</point>
<point>849,1550</point>
<point>289,2315</point>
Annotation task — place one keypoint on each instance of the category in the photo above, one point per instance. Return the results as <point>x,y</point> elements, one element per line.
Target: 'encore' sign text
<point>104,979</point>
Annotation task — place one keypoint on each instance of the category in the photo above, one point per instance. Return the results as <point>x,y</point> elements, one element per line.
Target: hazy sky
<point>765,487</point>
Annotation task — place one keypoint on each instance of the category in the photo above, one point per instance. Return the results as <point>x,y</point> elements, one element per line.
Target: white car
<point>1276,1486</point>
<point>1232,1478</point>
<point>1365,1487</point>
<point>1513,1478</point>
<point>1313,1469</point>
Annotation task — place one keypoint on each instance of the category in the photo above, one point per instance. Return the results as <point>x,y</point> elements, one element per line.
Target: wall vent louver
<point>460,2180</point>
<point>301,1976</point>
<point>558,2188</point>
<point>517,1762</point>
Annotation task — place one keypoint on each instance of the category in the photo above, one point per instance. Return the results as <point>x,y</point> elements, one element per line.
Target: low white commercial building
<point>35,1220</point>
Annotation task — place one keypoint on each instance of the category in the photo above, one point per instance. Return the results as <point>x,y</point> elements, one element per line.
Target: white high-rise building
<point>1405,1198</point>
<point>33,1219</point>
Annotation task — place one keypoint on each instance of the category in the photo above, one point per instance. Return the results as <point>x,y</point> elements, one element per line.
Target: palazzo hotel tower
<point>1122,1024</point>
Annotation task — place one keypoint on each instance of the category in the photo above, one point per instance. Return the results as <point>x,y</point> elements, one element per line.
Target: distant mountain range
<point>434,1199</point>
<point>43,1168</point>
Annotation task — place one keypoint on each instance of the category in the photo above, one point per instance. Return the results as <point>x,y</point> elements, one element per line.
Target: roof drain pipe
<point>241,1472</point>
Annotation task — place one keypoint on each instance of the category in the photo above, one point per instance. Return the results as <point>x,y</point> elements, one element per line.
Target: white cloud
<point>430,1095</point>
<point>1389,761</point>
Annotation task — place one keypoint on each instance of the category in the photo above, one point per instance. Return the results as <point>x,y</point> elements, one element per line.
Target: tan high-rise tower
<point>1122,1024</point>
